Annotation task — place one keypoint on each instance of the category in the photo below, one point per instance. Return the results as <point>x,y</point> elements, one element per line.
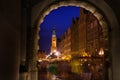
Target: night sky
<point>61,19</point>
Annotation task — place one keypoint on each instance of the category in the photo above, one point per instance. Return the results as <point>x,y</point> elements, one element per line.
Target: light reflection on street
<point>69,70</point>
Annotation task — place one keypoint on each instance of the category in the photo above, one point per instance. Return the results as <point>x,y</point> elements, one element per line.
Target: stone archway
<point>99,9</point>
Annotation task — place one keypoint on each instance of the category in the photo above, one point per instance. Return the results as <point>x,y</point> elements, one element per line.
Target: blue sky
<point>61,19</point>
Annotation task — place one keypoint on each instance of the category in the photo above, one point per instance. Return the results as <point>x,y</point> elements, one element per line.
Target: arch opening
<point>102,20</point>
<point>87,6</point>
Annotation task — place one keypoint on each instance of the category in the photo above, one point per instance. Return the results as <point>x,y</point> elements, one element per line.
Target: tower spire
<point>54,41</point>
<point>54,32</point>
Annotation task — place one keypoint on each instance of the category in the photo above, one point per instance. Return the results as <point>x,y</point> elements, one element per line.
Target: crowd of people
<point>65,70</point>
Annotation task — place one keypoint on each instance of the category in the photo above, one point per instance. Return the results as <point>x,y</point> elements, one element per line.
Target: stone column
<point>32,61</point>
<point>9,53</point>
<point>23,36</point>
<point>23,76</point>
<point>115,50</point>
<point>10,23</point>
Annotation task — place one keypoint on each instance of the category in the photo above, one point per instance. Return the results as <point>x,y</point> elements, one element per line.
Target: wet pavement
<point>64,76</point>
<point>67,71</point>
<point>56,72</point>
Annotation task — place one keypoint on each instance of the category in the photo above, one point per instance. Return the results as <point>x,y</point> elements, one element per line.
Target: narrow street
<point>63,76</point>
<point>56,71</point>
<point>64,70</point>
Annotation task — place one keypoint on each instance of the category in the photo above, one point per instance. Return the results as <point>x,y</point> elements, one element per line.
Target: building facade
<point>84,40</point>
<point>82,31</point>
<point>84,36</point>
<point>94,35</point>
<point>60,44</point>
<point>67,41</point>
<point>74,35</point>
<point>41,54</point>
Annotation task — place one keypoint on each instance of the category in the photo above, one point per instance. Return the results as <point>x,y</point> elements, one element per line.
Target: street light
<point>105,74</point>
<point>57,53</point>
<point>101,52</point>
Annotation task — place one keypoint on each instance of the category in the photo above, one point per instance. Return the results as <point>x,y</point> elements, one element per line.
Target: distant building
<point>67,41</point>
<point>54,41</point>
<point>82,31</point>
<point>84,36</point>
<point>41,54</point>
<point>60,45</point>
<point>74,35</point>
<point>94,36</point>
<point>90,34</point>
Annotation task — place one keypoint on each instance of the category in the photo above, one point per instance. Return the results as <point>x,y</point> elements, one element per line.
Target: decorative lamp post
<point>101,52</point>
<point>105,72</point>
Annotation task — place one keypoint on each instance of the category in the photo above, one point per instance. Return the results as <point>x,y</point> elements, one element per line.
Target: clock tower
<point>54,41</point>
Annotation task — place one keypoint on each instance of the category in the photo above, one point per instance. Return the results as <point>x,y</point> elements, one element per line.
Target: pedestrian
<point>52,70</point>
